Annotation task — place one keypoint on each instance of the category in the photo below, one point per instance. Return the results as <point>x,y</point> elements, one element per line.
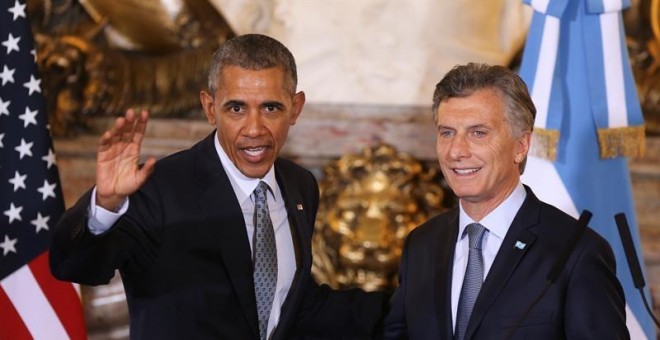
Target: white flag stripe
<point>612,5</point>
<point>76,287</point>
<point>540,5</point>
<point>545,70</point>
<point>635,329</point>
<point>542,175</point>
<point>25,294</point>
<point>617,113</point>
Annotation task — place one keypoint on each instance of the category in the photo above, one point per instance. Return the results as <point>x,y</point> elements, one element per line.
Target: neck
<point>477,209</point>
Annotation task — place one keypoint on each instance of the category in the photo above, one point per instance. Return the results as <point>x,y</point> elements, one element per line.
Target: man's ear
<point>522,147</point>
<point>207,106</point>
<point>296,107</point>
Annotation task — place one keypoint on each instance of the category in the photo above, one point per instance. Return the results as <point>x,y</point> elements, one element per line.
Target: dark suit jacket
<point>185,258</point>
<point>586,302</point>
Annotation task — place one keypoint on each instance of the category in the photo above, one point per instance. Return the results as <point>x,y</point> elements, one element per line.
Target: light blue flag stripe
<point>532,49</point>
<point>600,185</point>
<point>550,7</point>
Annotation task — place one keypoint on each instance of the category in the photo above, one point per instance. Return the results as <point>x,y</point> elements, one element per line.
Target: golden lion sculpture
<point>369,203</point>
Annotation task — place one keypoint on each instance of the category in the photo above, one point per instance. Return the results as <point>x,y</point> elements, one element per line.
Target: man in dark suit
<point>470,273</point>
<point>199,256</point>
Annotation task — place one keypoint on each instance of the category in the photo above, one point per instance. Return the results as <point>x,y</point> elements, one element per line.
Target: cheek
<point>440,149</point>
<point>280,130</point>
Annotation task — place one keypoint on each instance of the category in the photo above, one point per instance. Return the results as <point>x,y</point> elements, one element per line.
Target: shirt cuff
<point>100,220</point>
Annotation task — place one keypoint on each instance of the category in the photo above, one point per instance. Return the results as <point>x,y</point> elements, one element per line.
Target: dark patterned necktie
<point>474,275</point>
<point>265,258</point>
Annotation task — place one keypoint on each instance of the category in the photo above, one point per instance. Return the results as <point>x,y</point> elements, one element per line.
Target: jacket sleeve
<point>595,303</point>
<point>395,326</point>
<point>326,313</point>
<point>129,245</point>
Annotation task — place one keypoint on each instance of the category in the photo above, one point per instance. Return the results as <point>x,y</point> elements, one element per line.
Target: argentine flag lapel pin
<point>520,245</point>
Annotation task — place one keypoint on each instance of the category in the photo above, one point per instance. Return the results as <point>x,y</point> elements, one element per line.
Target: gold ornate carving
<point>544,143</point>
<point>642,22</point>
<point>106,56</point>
<point>369,204</point>
<point>621,142</point>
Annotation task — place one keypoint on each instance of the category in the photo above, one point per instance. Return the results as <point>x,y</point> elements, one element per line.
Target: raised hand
<point>118,173</point>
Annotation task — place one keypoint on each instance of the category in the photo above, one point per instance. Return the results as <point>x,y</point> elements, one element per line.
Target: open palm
<point>118,173</point>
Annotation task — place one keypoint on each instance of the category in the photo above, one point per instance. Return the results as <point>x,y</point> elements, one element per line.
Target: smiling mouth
<point>254,152</point>
<point>466,171</point>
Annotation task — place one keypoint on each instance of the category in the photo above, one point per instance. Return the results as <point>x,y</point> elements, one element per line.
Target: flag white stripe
<point>612,5</point>
<point>541,175</point>
<point>635,329</point>
<point>32,306</point>
<point>545,70</point>
<point>540,5</point>
<point>617,112</point>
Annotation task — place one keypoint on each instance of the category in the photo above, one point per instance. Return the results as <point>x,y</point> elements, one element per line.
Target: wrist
<point>111,203</point>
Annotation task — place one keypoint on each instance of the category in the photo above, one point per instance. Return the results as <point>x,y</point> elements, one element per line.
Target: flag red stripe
<point>12,327</point>
<point>62,297</point>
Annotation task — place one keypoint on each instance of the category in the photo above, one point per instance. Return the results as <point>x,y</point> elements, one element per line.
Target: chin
<point>466,194</point>
<point>254,172</point>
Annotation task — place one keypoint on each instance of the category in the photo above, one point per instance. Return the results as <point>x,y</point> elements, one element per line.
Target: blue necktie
<point>265,259</point>
<point>474,275</point>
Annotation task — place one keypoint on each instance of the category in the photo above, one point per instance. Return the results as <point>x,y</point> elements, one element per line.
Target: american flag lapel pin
<point>520,245</point>
<point>299,206</point>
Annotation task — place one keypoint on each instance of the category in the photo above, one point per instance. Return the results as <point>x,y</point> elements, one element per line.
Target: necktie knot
<point>260,192</point>
<point>475,233</point>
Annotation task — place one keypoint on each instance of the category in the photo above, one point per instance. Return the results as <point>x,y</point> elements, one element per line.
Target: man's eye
<point>479,133</point>
<point>271,108</point>
<point>235,108</point>
<point>445,133</point>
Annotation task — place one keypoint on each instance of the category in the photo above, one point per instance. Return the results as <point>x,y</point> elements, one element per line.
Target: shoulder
<point>564,223</point>
<point>201,154</point>
<point>291,171</point>
<point>440,225</point>
<point>289,165</point>
<point>558,225</point>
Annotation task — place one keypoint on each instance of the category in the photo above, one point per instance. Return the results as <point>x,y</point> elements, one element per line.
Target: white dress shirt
<point>497,223</point>
<point>101,220</point>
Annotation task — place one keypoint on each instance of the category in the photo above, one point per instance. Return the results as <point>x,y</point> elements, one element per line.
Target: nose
<point>459,148</point>
<point>254,124</point>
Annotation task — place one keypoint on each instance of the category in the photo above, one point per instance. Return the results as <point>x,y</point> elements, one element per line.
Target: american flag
<point>33,304</point>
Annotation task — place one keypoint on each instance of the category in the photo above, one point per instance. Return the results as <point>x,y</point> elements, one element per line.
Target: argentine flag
<point>589,120</point>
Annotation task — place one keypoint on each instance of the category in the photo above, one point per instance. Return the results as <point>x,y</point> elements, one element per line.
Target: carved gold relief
<point>106,56</point>
<point>369,203</point>
<point>642,23</point>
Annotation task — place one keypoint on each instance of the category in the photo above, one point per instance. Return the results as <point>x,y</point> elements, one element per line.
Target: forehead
<point>237,76</point>
<point>483,105</point>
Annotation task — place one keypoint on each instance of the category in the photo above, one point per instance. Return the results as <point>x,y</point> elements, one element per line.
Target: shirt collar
<point>499,220</point>
<point>243,185</point>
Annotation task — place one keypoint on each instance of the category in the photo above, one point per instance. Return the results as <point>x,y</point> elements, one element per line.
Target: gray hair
<point>253,52</point>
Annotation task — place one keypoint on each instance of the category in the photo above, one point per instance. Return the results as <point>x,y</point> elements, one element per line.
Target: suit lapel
<point>444,255</point>
<point>300,233</point>
<point>225,218</point>
<point>296,214</point>
<point>507,259</point>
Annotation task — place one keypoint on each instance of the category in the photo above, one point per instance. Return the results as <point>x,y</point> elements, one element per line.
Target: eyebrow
<point>277,104</point>
<point>471,127</point>
<point>234,103</point>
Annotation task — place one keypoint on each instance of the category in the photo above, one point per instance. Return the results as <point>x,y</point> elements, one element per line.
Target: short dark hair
<point>463,80</point>
<point>253,52</point>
